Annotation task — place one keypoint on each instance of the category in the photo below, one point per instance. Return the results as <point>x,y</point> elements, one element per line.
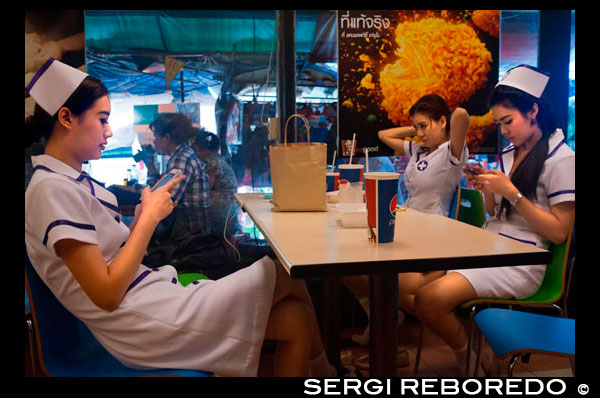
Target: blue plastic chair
<point>454,204</point>
<point>29,325</point>
<point>516,333</point>
<point>67,348</point>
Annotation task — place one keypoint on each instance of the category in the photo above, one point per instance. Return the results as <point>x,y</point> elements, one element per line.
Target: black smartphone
<point>471,169</point>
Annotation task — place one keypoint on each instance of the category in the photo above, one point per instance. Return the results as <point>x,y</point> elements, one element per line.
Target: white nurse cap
<point>53,84</point>
<point>526,78</point>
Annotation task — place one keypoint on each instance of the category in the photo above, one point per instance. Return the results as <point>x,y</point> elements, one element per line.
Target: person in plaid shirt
<point>171,134</point>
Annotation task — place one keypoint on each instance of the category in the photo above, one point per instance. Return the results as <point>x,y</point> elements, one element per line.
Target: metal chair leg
<point>419,347</point>
<point>470,339</point>
<point>511,366</point>
<point>31,346</point>
<point>572,361</point>
<point>479,347</point>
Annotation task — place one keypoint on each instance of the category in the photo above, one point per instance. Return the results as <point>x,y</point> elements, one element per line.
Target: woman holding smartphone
<point>91,260</point>
<point>530,199</point>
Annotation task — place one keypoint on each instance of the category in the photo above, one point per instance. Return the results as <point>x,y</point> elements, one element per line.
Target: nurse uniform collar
<point>53,84</point>
<point>526,78</point>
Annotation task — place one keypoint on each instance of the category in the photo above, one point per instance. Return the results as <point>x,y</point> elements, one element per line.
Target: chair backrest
<point>553,285</point>
<point>454,204</point>
<point>509,332</point>
<point>470,208</point>
<point>27,308</point>
<point>57,330</point>
<point>65,345</point>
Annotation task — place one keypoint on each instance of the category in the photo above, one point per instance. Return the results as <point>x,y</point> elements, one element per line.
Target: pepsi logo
<point>344,181</point>
<point>393,204</point>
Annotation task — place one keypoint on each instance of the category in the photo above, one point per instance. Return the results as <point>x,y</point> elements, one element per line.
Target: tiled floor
<point>438,360</point>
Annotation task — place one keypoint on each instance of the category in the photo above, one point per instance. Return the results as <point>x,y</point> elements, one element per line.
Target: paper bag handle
<point>305,123</point>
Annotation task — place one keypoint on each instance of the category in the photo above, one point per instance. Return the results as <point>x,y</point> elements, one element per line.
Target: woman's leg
<point>358,285</point>
<point>293,323</point>
<point>435,305</point>
<point>408,285</point>
<point>436,302</point>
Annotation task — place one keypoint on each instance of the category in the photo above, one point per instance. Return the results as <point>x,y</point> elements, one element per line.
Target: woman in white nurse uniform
<point>431,177</point>
<point>530,199</point>
<point>91,260</point>
<point>434,169</point>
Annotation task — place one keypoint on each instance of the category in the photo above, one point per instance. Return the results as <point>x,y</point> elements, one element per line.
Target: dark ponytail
<point>40,124</point>
<point>207,140</point>
<point>526,175</point>
<point>433,106</point>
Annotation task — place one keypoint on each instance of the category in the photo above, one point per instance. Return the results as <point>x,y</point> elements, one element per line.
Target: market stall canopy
<point>126,48</point>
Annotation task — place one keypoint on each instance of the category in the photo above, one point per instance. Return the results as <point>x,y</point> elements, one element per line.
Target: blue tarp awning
<point>124,47</point>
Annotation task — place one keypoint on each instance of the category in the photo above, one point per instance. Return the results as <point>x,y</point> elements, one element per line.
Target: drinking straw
<point>333,163</point>
<point>367,158</point>
<point>352,150</point>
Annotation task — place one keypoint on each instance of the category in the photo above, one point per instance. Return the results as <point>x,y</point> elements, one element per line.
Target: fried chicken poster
<point>387,60</point>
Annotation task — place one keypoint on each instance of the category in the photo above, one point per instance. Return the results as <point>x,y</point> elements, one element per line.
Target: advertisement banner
<point>388,59</point>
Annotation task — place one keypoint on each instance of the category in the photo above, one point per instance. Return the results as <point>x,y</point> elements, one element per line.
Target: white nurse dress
<point>215,326</point>
<point>556,184</point>
<point>432,177</point>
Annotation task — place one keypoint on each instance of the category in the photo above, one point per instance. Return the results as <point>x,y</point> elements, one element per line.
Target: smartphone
<point>470,167</point>
<point>163,181</point>
<point>169,176</point>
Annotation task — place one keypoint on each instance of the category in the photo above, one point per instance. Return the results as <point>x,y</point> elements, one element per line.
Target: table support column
<point>383,324</point>
<point>331,319</point>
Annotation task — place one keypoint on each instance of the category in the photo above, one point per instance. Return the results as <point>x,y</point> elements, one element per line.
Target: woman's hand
<point>158,204</point>
<point>492,182</point>
<point>471,177</point>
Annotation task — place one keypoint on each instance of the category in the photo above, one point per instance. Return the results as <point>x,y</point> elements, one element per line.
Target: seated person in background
<point>432,174</point>
<point>171,134</point>
<point>222,185</point>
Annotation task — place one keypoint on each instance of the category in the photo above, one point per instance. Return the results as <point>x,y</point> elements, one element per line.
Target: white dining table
<point>315,244</point>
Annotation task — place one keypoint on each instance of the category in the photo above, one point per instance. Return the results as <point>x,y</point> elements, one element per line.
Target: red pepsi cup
<point>333,179</point>
<point>351,172</point>
<point>381,191</point>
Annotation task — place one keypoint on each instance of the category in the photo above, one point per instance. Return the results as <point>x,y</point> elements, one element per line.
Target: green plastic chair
<point>550,292</point>
<point>187,278</point>
<point>470,208</point>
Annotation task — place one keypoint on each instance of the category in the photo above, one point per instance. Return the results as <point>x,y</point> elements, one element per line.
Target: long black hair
<point>525,176</point>
<point>40,124</point>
